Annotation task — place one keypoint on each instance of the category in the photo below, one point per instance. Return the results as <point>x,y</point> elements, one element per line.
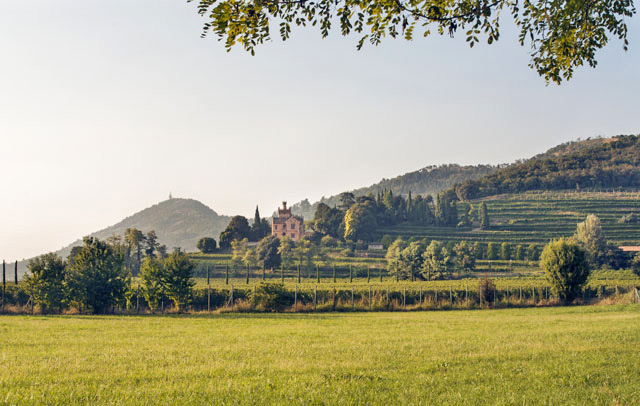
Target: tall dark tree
<point>484,216</point>
<point>238,229</point>
<point>267,252</point>
<point>327,220</point>
<point>151,244</point>
<point>134,239</point>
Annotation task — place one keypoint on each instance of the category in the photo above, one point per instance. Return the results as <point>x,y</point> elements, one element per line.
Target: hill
<point>177,223</point>
<point>602,163</point>
<point>426,181</point>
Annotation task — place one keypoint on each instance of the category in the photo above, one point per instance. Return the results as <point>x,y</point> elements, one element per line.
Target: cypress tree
<point>484,216</point>
<point>369,275</point>
<point>317,273</point>
<point>247,274</point>
<point>16,272</point>
<point>208,279</point>
<point>298,273</point>
<point>334,273</point>
<point>350,274</point>
<point>227,274</point>
<point>281,274</point>
<point>380,274</point>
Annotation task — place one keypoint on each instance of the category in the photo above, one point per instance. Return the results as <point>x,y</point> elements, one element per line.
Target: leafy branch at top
<point>562,34</point>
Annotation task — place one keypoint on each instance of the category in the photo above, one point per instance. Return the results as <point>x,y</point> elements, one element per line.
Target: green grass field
<point>543,356</point>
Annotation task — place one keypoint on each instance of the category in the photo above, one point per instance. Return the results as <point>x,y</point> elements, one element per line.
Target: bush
<point>273,297</point>
<point>206,245</point>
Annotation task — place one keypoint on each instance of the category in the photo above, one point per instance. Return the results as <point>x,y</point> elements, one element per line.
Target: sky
<point>106,107</point>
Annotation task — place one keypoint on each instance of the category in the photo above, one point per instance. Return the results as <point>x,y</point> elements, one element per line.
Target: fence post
<point>380,274</point>
<point>138,300</point>
<point>520,295</point>
<point>254,296</point>
<point>334,273</point>
<point>231,299</point>
<point>637,298</point>
<point>315,299</point>
<point>369,275</point>
<point>295,299</point>
<point>353,304</point>
<point>298,273</point>
<point>404,299</point>
<point>450,296</point>
<point>226,281</point>
<point>466,294</point>
<point>16,272</point>
<point>334,297</point>
<point>369,298</point>
<point>388,298</point>
<point>420,296</point>
<point>350,274</point>
<point>281,274</point>
<point>208,291</point>
<point>317,273</point>
<point>264,274</point>
<point>4,283</point>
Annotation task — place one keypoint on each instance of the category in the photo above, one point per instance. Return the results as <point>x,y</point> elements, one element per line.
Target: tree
<point>97,279</point>
<point>635,264</point>
<point>492,251</point>
<point>285,250</point>
<point>386,240</point>
<point>327,220</point>
<point>532,253</point>
<point>134,239</point>
<point>177,279</point>
<point>485,223</point>
<point>238,250</point>
<point>267,252</point>
<point>238,229</point>
<point>566,267</point>
<point>590,237</point>
<point>549,28</point>
<point>151,244</point>
<point>411,260</point>
<point>152,279</point>
<point>360,222</point>
<point>436,261</point>
<point>206,245</point>
<point>260,227</point>
<point>465,256</point>
<point>519,252</point>
<point>45,282</point>
<point>394,253</point>
<point>505,251</point>
<point>328,241</point>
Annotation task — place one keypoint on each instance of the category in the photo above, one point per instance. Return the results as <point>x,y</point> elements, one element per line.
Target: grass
<point>544,356</point>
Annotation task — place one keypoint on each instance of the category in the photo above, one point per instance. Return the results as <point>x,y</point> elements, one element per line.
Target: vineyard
<point>537,217</point>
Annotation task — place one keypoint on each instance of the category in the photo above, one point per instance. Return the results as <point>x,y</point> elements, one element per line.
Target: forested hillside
<point>426,181</point>
<point>599,164</point>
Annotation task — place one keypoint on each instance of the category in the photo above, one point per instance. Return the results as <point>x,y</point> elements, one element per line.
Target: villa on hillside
<point>286,224</point>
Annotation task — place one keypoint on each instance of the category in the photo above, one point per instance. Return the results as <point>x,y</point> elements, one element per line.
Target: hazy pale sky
<point>107,106</point>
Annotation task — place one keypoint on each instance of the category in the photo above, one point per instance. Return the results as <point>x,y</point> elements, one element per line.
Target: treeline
<point>608,164</point>
<point>429,180</point>
<point>97,276</point>
<point>358,218</point>
<point>434,260</point>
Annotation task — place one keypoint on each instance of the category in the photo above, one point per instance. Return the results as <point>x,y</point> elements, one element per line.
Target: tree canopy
<point>561,34</point>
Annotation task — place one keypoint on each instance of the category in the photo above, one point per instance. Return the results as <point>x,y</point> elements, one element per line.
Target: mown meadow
<point>538,356</point>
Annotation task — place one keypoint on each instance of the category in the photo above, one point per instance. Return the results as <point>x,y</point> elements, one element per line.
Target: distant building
<point>286,224</point>
<point>629,248</point>
<point>375,247</point>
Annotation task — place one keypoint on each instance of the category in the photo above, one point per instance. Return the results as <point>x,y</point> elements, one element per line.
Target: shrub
<point>273,297</point>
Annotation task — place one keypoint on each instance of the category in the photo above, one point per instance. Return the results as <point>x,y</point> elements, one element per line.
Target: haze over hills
<point>177,223</point>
